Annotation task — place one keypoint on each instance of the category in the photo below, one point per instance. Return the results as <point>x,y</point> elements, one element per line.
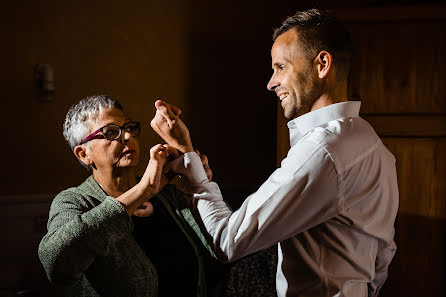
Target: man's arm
<point>299,195</point>
<point>295,198</point>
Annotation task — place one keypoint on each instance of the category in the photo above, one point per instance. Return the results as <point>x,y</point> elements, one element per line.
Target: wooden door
<point>399,75</point>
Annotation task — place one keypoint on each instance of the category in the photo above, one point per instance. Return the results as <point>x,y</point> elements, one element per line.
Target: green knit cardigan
<point>89,248</point>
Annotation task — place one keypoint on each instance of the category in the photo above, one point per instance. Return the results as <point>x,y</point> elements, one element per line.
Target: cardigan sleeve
<point>77,234</point>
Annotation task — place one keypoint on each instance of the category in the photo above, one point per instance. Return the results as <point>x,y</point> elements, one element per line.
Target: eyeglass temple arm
<point>89,137</point>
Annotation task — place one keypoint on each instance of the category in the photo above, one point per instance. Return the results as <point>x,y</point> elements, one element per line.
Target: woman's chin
<point>128,161</point>
<point>127,164</point>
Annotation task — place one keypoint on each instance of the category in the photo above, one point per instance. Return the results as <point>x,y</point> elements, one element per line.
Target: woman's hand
<point>154,170</point>
<point>136,200</point>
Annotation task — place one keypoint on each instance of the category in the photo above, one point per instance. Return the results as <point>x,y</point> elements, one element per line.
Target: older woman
<point>115,235</point>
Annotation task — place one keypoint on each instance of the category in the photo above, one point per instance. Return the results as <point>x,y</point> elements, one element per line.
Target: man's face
<point>294,80</point>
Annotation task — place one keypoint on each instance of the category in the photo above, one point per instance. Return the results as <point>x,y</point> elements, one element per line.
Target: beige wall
<point>133,52</point>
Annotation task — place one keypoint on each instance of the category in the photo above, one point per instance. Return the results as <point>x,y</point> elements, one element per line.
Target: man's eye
<point>282,68</point>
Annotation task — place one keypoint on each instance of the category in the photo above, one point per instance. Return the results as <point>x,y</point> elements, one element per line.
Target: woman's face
<point>112,154</point>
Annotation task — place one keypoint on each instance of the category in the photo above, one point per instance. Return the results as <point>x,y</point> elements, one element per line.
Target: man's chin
<point>290,114</point>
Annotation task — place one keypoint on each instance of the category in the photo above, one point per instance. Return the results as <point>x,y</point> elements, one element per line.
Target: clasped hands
<point>171,128</point>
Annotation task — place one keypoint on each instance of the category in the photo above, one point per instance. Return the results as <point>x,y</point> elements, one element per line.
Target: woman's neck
<point>116,182</point>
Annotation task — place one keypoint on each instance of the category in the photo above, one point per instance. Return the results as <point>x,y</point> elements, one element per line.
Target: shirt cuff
<point>189,166</point>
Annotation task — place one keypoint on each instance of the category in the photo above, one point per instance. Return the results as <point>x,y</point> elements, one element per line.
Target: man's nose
<point>273,83</point>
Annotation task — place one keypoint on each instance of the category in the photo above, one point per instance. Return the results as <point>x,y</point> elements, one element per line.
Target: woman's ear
<point>81,153</point>
<point>324,63</point>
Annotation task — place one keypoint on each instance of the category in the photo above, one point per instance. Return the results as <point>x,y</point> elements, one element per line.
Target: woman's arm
<point>78,232</point>
<point>149,185</point>
<point>76,237</point>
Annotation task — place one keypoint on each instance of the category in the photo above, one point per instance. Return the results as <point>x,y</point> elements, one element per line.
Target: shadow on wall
<point>233,119</point>
<point>404,276</point>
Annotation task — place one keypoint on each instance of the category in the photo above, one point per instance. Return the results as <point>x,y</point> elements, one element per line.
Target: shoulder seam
<point>340,183</point>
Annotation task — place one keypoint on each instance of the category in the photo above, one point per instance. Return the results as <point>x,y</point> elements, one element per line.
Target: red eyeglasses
<point>114,132</point>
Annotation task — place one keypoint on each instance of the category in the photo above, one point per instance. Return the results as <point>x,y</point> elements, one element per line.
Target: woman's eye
<point>111,133</point>
<point>130,128</point>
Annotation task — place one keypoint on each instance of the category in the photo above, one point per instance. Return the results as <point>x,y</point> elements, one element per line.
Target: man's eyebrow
<point>286,60</point>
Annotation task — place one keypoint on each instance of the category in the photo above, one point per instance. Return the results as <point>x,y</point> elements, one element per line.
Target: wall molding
<point>408,125</point>
<point>26,199</point>
<point>392,13</point>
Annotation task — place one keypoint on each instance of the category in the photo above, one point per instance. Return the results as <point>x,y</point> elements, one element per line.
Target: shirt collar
<point>307,122</point>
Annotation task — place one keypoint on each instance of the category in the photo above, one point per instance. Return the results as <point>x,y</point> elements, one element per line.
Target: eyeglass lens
<point>112,132</point>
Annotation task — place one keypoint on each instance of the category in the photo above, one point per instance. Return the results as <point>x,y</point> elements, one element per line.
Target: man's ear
<point>80,152</point>
<point>324,62</point>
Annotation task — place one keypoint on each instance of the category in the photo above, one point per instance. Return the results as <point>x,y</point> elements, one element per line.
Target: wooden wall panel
<point>283,143</point>
<point>397,67</point>
<point>418,267</point>
<point>421,174</point>
<point>408,126</point>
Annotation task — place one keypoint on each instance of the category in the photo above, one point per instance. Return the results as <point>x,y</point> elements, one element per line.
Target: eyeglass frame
<point>93,134</point>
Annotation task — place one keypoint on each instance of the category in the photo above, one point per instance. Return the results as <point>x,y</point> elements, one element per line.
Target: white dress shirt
<point>331,206</point>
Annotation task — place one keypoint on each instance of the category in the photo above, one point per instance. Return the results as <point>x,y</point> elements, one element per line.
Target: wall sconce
<point>44,78</point>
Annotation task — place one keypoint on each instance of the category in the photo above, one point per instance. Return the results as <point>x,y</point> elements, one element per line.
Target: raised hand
<point>152,176</point>
<point>136,200</point>
<point>170,127</point>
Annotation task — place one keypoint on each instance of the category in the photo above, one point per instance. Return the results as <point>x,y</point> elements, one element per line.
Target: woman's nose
<point>125,137</point>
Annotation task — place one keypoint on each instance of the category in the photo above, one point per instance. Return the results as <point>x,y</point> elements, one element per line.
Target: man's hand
<point>170,127</point>
<point>144,210</point>
<point>205,162</point>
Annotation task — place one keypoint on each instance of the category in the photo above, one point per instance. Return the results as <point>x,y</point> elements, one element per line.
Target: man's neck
<point>325,100</point>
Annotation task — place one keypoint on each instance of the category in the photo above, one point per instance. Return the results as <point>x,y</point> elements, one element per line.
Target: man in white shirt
<point>331,206</point>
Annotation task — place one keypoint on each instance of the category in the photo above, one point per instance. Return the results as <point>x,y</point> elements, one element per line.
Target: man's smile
<point>283,96</point>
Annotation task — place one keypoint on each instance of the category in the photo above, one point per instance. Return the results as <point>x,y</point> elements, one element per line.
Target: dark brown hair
<point>319,30</point>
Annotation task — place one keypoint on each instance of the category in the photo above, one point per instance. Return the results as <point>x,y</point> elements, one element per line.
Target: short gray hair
<point>82,114</point>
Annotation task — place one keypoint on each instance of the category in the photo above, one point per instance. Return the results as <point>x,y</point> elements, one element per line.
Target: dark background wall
<point>212,59</point>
